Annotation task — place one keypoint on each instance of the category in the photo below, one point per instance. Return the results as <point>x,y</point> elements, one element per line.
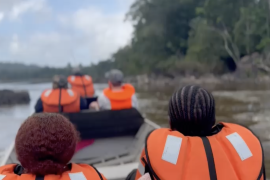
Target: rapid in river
<point>233,104</point>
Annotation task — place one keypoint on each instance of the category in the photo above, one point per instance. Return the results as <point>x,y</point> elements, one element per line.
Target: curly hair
<point>45,143</point>
<point>192,111</point>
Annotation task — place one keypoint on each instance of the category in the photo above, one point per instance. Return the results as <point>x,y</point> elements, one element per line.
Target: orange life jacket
<point>82,84</point>
<point>234,153</point>
<point>120,99</point>
<point>69,101</point>
<point>78,171</point>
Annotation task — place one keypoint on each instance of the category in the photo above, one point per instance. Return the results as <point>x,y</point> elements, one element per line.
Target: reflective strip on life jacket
<point>2,176</point>
<point>234,153</point>
<point>120,99</point>
<point>141,168</point>
<point>75,176</point>
<point>82,84</point>
<point>77,172</point>
<point>69,100</point>
<point>47,93</point>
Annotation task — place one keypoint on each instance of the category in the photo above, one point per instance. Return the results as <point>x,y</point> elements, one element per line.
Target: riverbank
<point>251,71</point>
<point>228,82</point>
<point>26,81</point>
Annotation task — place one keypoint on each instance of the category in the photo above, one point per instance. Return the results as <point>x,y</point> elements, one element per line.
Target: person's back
<point>118,95</point>
<point>196,148</point>
<point>60,99</point>
<point>82,84</point>
<point>45,143</point>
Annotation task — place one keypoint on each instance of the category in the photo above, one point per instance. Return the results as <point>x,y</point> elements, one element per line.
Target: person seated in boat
<point>118,95</point>
<point>81,83</point>
<point>195,148</point>
<point>45,144</point>
<point>60,98</point>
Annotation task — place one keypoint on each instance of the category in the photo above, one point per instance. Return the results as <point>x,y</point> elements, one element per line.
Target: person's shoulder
<point>74,93</point>
<point>46,93</point>
<point>160,132</point>
<point>134,97</point>
<point>102,97</point>
<point>39,105</point>
<point>6,169</point>
<point>130,87</point>
<point>86,166</point>
<point>134,100</point>
<point>89,168</point>
<point>103,101</point>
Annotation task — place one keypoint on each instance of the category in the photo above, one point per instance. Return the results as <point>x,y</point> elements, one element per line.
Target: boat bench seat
<point>107,124</point>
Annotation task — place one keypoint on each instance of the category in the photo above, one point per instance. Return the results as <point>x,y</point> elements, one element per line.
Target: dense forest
<point>21,72</point>
<point>180,37</point>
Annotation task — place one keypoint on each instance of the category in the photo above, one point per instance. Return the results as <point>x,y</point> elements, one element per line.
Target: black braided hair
<point>192,111</point>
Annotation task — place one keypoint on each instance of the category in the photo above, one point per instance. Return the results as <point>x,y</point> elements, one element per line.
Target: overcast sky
<point>55,32</point>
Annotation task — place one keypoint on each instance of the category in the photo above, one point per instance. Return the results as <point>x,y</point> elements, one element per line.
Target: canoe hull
<point>115,157</point>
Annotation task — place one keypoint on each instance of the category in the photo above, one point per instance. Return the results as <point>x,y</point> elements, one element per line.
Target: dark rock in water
<point>8,97</point>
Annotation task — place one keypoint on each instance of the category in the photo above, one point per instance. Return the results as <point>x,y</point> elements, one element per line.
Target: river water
<point>243,104</point>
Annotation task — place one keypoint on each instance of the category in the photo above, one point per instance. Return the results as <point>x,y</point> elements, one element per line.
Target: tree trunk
<point>247,37</point>
<point>233,52</point>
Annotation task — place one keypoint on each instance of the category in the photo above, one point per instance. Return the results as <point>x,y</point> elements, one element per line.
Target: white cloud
<point>1,16</point>
<point>43,49</point>
<point>86,35</point>
<point>26,6</point>
<point>104,34</point>
<point>6,5</point>
<point>14,44</point>
<point>13,9</point>
<point>125,4</point>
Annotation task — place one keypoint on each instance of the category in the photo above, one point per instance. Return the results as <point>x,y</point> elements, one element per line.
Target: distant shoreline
<point>32,81</point>
<point>161,82</point>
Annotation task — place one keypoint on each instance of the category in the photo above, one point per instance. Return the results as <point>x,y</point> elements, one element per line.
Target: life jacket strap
<point>210,158</point>
<point>84,88</point>
<point>101,178</point>
<point>39,178</point>
<point>60,108</point>
<point>147,169</point>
